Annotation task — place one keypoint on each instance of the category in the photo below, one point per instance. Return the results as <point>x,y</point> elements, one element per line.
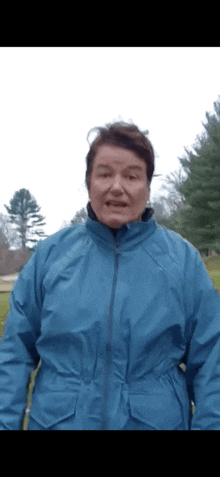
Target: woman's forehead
<point>109,156</point>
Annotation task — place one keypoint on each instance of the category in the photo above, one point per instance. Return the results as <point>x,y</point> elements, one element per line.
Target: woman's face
<point>118,186</point>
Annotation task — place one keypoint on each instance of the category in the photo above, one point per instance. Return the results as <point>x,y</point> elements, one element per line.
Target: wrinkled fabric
<point>111,318</point>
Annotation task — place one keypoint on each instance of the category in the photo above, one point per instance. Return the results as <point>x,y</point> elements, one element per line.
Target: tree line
<point>192,206</point>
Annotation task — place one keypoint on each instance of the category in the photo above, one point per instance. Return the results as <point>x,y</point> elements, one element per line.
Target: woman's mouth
<point>111,203</point>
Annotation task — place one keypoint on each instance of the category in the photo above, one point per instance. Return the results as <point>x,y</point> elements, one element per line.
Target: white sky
<point>51,97</point>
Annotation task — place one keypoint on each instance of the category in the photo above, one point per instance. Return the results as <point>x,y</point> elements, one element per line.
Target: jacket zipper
<point>109,337</point>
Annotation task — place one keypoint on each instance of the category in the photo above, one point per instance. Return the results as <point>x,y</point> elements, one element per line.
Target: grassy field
<point>213,266</point>
<point>215,275</point>
<point>5,289</point>
<point>4,306</point>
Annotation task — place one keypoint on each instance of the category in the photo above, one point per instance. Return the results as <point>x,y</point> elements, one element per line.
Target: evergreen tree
<point>200,218</point>
<point>24,214</point>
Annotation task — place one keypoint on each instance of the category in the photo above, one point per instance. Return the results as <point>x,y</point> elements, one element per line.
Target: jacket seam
<point>164,268</point>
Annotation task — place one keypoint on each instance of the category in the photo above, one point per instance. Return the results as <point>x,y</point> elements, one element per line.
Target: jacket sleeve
<point>203,356</point>
<point>18,354</point>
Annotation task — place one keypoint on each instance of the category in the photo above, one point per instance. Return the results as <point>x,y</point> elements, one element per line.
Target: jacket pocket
<point>156,411</point>
<point>49,410</point>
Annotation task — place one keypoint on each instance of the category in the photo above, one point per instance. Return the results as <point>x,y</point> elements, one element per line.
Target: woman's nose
<point>117,185</point>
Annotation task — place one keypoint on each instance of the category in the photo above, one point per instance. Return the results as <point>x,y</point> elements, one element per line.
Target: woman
<point>111,308</point>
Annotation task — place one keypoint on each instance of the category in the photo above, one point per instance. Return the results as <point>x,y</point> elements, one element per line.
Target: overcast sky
<point>51,97</point>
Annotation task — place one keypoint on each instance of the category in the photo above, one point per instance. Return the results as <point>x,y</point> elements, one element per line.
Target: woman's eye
<point>104,175</point>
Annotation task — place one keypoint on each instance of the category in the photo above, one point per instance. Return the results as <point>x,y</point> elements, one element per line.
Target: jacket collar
<point>133,232</point>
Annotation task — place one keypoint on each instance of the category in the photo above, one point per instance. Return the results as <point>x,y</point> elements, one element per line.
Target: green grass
<point>4,306</point>
<point>212,262</point>
<point>213,267</point>
<point>215,275</point>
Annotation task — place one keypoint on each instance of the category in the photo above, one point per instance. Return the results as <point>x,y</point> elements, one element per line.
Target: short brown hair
<point>124,135</point>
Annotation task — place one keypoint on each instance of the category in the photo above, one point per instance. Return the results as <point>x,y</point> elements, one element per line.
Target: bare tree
<point>173,200</point>
<point>80,216</point>
<point>10,234</point>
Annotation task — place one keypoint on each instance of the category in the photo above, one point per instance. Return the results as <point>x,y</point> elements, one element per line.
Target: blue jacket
<point>111,318</point>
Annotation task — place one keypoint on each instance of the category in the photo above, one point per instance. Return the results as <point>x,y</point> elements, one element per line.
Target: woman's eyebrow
<point>107,166</point>
<point>138,168</point>
<point>103,165</point>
